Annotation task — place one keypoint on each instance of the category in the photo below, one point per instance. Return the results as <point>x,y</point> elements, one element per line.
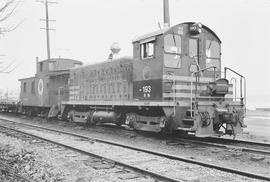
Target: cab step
<point>188,121</point>
<point>189,112</point>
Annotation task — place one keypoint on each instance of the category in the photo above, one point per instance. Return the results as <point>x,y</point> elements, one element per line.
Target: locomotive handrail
<point>225,71</point>
<point>191,84</point>
<point>241,85</point>
<point>235,81</point>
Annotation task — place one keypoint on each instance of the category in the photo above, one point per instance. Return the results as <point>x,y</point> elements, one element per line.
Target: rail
<point>191,84</point>
<point>242,79</point>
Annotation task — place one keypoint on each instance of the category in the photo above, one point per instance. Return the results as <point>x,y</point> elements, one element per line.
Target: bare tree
<point>7,9</point>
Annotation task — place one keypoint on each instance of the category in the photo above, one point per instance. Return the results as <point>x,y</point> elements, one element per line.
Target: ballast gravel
<point>34,161</point>
<point>228,157</point>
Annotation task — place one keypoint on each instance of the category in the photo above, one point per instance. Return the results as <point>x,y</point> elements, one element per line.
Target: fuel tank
<point>104,117</point>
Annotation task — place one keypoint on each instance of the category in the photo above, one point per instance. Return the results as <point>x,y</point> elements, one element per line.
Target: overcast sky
<point>85,29</point>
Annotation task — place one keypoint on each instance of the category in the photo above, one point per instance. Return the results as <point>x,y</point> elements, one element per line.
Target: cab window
<point>193,48</point>
<point>147,50</point>
<point>172,51</point>
<point>33,87</point>
<point>51,66</point>
<point>212,54</point>
<point>24,87</point>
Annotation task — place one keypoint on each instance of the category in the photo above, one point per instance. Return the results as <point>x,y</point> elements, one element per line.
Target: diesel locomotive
<point>173,82</point>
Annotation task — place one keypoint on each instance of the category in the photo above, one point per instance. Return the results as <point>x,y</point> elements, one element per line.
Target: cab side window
<point>172,51</point>
<point>147,49</point>
<point>193,48</point>
<point>41,66</point>
<point>33,87</point>
<point>212,49</point>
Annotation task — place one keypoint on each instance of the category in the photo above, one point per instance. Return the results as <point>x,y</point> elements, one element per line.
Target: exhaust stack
<point>166,13</point>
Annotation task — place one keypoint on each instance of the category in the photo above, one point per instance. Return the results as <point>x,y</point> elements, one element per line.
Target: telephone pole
<point>47,20</point>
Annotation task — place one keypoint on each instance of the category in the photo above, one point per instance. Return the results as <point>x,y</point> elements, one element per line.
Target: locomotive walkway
<point>137,159</point>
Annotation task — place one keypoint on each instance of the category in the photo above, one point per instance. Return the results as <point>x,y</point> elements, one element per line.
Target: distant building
<point>263,109</point>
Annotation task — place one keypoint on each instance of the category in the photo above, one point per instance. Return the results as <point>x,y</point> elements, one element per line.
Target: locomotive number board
<point>147,90</point>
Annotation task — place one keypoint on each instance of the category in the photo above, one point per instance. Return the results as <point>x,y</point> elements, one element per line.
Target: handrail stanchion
<point>245,94</point>
<point>241,89</point>
<point>191,84</point>
<point>235,93</point>
<point>214,74</point>
<point>174,96</point>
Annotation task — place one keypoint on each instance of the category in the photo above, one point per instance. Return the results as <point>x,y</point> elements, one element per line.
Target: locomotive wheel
<point>131,120</point>
<point>29,113</point>
<point>168,125</point>
<point>89,119</point>
<point>121,118</point>
<point>70,116</point>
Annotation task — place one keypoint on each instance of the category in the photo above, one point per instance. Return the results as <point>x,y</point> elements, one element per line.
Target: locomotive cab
<point>181,66</point>
<point>174,52</point>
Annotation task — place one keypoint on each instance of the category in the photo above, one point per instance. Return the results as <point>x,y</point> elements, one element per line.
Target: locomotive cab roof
<point>165,31</point>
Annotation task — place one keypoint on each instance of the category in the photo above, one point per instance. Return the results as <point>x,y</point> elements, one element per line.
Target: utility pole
<point>47,20</point>
<point>47,30</point>
<point>166,13</point>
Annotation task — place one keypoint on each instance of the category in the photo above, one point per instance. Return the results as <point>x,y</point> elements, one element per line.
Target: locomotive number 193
<point>146,89</point>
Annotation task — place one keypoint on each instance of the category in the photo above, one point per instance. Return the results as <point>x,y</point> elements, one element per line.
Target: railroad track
<point>227,141</point>
<point>140,150</point>
<point>104,161</point>
<point>223,143</point>
<point>241,145</point>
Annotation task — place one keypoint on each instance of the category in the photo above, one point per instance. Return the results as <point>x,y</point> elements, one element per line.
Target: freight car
<point>173,82</point>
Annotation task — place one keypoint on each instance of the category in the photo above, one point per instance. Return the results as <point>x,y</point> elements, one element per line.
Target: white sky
<point>85,29</point>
